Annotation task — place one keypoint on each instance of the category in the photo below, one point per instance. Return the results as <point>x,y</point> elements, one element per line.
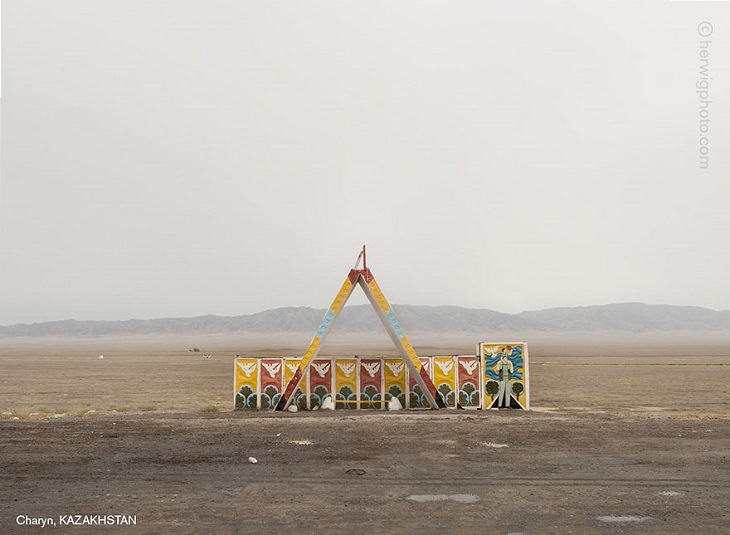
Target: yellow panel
<point>345,381</point>
<point>444,371</point>
<point>247,373</point>
<point>394,371</point>
<point>345,373</point>
<point>290,368</point>
<point>341,296</point>
<point>379,297</point>
<point>444,379</point>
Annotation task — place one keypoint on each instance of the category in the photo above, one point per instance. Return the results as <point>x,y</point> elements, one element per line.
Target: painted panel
<point>246,383</point>
<point>394,373</point>
<point>468,378</point>
<point>415,394</point>
<point>444,379</point>
<point>271,382</point>
<point>299,396</point>
<point>506,381</point>
<point>320,381</point>
<point>346,382</point>
<point>371,383</point>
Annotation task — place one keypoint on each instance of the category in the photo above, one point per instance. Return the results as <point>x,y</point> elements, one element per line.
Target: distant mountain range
<point>626,317</point>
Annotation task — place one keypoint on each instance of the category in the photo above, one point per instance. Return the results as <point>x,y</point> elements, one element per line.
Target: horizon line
<point>356,306</point>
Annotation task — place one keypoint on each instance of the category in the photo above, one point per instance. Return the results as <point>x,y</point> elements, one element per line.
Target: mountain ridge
<point>619,317</point>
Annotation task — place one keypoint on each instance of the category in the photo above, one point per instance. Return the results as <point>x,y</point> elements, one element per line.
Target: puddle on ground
<point>669,493</point>
<point>461,498</point>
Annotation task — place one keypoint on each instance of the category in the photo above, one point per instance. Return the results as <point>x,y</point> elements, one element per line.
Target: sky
<point>181,158</point>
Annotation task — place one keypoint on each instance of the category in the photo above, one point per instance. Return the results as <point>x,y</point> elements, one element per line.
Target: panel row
<point>356,382</point>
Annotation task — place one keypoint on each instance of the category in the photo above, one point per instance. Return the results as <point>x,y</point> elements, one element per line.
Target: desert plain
<point>627,433</point>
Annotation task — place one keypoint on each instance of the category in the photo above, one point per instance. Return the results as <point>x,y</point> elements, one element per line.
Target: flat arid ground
<point>626,434</point>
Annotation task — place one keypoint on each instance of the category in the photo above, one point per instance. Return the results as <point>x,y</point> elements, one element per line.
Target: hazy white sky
<point>178,158</point>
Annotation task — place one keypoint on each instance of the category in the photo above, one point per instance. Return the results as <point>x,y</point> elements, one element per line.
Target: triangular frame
<point>364,278</point>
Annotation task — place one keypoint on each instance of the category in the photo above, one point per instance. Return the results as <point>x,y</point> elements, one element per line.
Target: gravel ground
<point>501,472</point>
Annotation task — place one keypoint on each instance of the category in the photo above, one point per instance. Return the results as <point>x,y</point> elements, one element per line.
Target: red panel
<point>465,364</point>
<point>371,373</point>
<point>320,373</point>
<point>426,365</point>
<point>427,381</point>
<point>271,372</point>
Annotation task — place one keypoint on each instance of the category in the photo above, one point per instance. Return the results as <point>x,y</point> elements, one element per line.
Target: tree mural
<point>396,392</point>
<point>246,398</point>
<point>415,397</point>
<point>270,397</point>
<point>370,393</point>
<point>300,398</point>
<point>491,388</point>
<point>317,396</point>
<point>346,393</point>
<point>447,394</point>
<point>468,395</point>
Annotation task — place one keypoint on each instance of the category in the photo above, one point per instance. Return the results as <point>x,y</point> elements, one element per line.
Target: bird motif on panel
<point>371,367</point>
<point>395,367</point>
<point>272,367</point>
<point>247,368</point>
<point>469,366</point>
<point>347,368</point>
<point>322,368</point>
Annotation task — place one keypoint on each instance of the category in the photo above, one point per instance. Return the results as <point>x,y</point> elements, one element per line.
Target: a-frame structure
<point>364,278</point>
